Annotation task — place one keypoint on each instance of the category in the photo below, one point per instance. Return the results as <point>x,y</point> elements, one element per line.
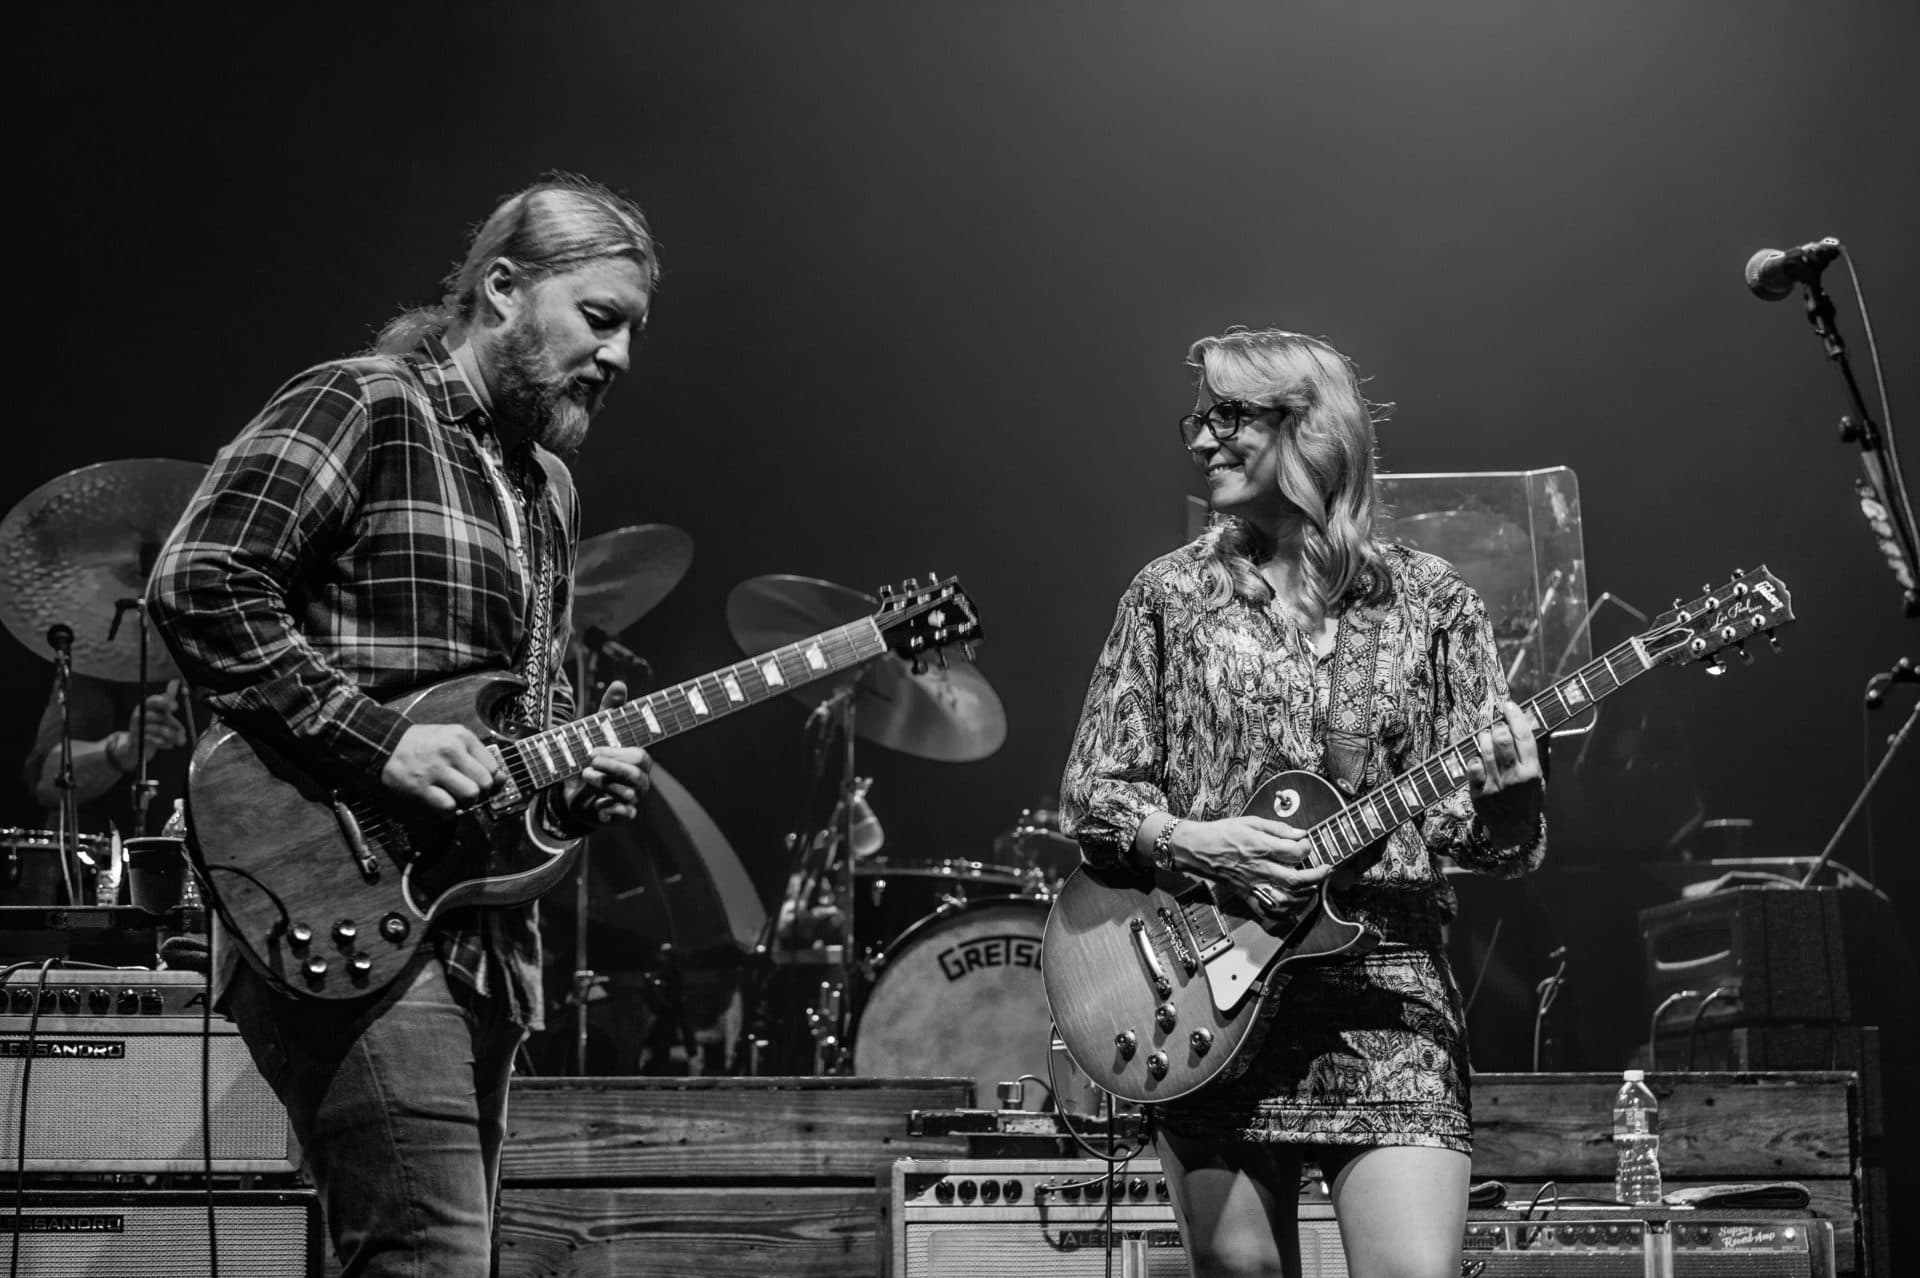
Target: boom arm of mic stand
<point>1884,488</point>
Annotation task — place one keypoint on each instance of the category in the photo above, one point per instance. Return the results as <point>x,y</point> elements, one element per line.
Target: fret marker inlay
<point>771,673</point>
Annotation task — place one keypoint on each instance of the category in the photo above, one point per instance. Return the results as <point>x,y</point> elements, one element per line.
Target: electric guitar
<point>329,891</point>
<point>1156,980</point>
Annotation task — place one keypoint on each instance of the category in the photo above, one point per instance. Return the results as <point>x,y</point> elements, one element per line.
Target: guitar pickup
<point>356,840</point>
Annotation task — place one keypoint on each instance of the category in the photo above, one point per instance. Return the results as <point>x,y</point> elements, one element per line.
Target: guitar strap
<point>1349,724</point>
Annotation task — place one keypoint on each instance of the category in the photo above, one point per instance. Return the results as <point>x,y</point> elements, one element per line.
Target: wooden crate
<point>676,1177</point>
<point>1530,1129</point>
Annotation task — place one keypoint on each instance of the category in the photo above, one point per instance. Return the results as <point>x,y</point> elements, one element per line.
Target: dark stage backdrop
<point>931,270</point>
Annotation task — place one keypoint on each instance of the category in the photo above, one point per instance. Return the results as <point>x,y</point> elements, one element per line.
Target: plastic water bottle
<point>1636,1141</point>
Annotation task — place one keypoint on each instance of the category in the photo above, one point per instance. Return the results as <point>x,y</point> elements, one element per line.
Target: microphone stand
<point>60,639</point>
<point>1902,672</point>
<point>1882,493</point>
<point>583,976</point>
<point>144,786</point>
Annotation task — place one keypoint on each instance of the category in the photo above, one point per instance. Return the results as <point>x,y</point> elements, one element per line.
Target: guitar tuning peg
<point>913,583</point>
<point>940,655</point>
<point>966,650</point>
<point>1739,574</point>
<point>919,666</point>
<point>886,592</point>
<point>1746,658</point>
<point>1772,641</point>
<point>933,578</point>
<point>1678,603</point>
<point>1716,667</point>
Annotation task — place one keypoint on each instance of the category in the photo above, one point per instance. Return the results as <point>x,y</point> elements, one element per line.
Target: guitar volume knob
<point>1201,1040</point>
<point>300,936</point>
<point>1157,1064</point>
<point>345,930</point>
<point>1128,1043</point>
<point>1166,1017</point>
<point>315,968</point>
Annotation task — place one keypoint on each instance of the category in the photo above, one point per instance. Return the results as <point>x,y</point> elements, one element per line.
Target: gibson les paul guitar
<point>1156,980</point>
<point>329,891</point>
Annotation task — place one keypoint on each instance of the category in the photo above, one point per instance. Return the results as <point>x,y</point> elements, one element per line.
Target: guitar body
<point>1157,981</point>
<point>329,893</point>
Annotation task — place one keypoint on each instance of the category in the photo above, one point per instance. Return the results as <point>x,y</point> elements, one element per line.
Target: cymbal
<point>619,576</point>
<point>949,715</point>
<point>73,547</point>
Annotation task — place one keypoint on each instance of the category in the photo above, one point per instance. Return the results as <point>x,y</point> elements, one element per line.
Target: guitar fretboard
<point>1361,823</point>
<point>544,758</point>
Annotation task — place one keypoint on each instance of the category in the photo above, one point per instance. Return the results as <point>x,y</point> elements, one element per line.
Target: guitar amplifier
<point>162,1234</point>
<point>116,1077</point>
<point>1015,1218</point>
<point>1782,956</point>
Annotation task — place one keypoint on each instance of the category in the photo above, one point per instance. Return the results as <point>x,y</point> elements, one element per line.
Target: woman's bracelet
<point>1163,845</point>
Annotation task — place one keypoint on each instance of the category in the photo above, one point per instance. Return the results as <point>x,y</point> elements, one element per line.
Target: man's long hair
<point>560,222</point>
<point>1326,466</point>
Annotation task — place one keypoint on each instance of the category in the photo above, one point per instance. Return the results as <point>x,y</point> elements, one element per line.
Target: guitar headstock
<point>920,621</point>
<point>1751,604</point>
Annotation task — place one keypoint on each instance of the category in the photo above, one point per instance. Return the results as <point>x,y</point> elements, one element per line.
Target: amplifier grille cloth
<point>140,1107</point>
<point>163,1241</point>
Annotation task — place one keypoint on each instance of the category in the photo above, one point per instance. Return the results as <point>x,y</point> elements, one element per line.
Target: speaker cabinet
<point>116,1077</point>
<point>1016,1218</point>
<point>161,1234</point>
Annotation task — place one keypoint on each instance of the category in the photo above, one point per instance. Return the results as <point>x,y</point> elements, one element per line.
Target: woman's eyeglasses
<point>1222,419</point>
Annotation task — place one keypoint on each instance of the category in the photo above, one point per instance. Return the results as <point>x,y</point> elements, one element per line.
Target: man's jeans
<point>399,1104</point>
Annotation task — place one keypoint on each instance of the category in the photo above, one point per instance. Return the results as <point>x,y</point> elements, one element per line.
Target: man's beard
<point>553,410</point>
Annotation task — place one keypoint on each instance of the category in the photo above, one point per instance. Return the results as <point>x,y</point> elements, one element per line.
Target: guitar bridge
<point>1182,952</point>
<point>356,840</point>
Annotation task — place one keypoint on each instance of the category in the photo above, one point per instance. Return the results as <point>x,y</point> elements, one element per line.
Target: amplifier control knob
<point>989,1191</point>
<point>20,1001</point>
<point>968,1191</point>
<point>128,1001</point>
<point>99,1000</point>
<point>1160,1189</point>
<point>1157,1064</point>
<point>943,1190</point>
<point>1137,1188</point>
<point>152,1002</point>
<point>1070,1192</point>
<point>70,1000</point>
<point>1011,1191</point>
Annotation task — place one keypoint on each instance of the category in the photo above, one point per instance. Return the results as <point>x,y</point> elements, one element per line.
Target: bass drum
<point>960,995</point>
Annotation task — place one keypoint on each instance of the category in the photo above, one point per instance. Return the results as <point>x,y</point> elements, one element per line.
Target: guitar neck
<point>558,753</point>
<point>1362,822</point>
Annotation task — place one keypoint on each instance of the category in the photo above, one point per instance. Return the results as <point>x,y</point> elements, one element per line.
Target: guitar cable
<point>26,1077</point>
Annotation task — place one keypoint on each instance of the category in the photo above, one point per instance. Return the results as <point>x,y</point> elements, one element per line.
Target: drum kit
<point>75,554</point>
<point>868,962</point>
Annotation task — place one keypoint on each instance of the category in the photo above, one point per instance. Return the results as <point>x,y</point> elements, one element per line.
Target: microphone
<point>60,638</point>
<point>600,643</point>
<point>1902,671</point>
<point>1771,274</point>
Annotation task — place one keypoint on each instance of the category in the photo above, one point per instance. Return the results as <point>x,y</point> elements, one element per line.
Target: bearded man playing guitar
<point>1288,637</point>
<point>385,522</point>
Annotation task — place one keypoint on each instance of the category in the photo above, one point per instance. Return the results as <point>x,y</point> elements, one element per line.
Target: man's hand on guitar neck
<point>442,765</point>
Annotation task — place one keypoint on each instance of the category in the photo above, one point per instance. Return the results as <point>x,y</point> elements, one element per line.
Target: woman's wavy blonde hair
<point>1326,466</point>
